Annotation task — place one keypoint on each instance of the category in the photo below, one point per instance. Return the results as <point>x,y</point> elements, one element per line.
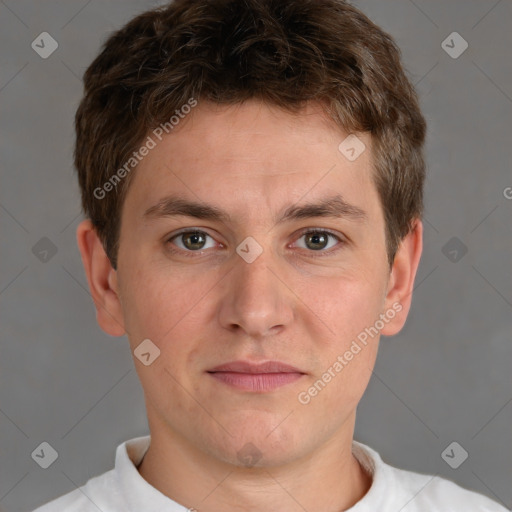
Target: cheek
<point>349,309</point>
<point>160,300</point>
<point>165,307</point>
<point>345,305</point>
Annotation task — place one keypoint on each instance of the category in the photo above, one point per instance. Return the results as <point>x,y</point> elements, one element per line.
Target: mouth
<point>256,377</point>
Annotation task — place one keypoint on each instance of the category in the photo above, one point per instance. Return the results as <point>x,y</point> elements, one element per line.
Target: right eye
<point>191,241</point>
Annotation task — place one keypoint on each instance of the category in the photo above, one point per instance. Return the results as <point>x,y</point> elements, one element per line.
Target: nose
<point>256,298</point>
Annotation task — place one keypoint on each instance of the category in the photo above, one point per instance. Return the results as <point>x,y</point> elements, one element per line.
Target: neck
<point>330,479</point>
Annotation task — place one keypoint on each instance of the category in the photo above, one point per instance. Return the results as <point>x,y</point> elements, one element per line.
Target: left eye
<point>318,240</point>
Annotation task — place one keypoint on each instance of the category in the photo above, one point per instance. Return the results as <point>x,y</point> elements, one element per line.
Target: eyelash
<point>320,254</point>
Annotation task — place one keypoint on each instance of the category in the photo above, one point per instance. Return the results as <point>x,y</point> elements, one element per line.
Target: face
<point>255,278</point>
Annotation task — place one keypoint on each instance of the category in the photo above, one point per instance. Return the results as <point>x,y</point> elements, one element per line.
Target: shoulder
<point>433,493</point>
<point>110,491</point>
<point>409,491</point>
<point>74,501</point>
<point>87,498</point>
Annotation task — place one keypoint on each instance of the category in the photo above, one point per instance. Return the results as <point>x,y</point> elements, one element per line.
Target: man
<point>252,177</point>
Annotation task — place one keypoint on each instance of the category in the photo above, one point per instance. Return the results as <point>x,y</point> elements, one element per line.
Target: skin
<point>290,305</point>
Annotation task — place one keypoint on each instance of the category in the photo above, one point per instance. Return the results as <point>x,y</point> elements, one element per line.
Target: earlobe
<point>102,279</point>
<point>401,280</point>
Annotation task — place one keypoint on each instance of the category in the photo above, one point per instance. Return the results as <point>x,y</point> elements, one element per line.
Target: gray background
<point>445,377</point>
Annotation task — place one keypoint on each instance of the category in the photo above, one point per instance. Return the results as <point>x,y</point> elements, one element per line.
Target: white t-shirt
<point>122,489</point>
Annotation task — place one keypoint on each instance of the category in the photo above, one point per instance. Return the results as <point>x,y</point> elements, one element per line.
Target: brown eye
<point>194,240</point>
<point>320,241</point>
<point>191,241</point>
<point>316,240</point>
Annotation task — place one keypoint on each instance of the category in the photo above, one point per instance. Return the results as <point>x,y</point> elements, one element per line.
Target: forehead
<point>252,155</point>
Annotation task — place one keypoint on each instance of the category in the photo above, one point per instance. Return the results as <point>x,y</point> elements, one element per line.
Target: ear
<point>102,279</point>
<point>401,280</point>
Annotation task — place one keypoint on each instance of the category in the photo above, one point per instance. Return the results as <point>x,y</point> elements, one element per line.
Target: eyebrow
<point>334,206</point>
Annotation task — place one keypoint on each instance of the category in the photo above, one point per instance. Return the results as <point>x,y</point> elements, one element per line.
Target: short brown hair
<point>227,51</point>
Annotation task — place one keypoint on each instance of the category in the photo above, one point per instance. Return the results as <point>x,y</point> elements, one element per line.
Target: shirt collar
<point>138,493</point>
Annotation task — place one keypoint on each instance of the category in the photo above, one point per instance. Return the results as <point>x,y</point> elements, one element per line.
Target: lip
<point>256,377</point>
<point>248,367</point>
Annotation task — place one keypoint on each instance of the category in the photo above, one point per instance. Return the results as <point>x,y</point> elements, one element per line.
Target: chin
<point>257,444</point>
